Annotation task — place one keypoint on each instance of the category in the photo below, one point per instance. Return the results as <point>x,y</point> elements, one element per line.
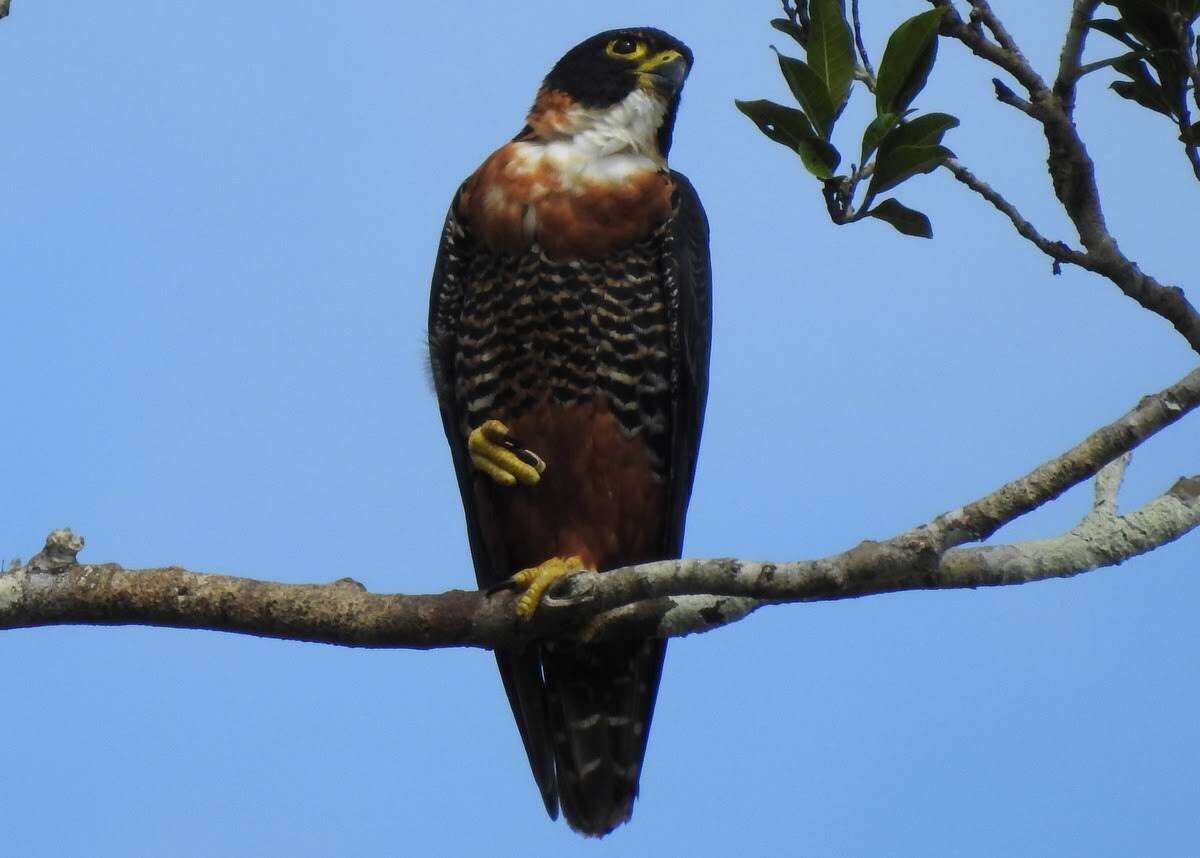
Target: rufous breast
<point>580,189</point>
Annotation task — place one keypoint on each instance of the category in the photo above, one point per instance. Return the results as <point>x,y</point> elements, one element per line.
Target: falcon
<point>569,338</point>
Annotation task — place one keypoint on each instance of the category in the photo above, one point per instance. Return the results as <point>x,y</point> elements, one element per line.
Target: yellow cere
<point>659,59</point>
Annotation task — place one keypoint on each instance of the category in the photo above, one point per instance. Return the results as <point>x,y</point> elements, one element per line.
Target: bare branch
<point>667,598</point>
<point>1010,60</point>
<point>1069,70</point>
<point>1091,545</point>
<point>1107,487</point>
<point>980,519</point>
<point>983,10</point>
<point>1072,171</point>
<point>1056,250</point>
<point>4,5</point>
<point>1005,95</point>
<point>343,614</point>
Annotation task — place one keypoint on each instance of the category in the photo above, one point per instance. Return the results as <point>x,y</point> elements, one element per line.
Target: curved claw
<point>537,580</point>
<point>495,452</point>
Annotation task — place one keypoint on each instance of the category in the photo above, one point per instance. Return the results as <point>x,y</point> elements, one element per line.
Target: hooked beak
<point>664,72</point>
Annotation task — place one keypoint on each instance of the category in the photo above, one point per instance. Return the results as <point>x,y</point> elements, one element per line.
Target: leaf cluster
<point>1162,50</point>
<point>895,146</point>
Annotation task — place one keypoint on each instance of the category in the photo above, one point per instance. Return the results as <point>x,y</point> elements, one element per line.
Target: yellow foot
<point>502,457</point>
<point>537,580</point>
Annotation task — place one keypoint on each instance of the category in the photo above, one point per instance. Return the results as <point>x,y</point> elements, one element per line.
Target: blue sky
<point>217,224</point>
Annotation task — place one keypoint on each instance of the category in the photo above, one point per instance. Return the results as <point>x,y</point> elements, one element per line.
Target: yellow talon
<point>494,452</point>
<point>497,473</point>
<point>538,579</point>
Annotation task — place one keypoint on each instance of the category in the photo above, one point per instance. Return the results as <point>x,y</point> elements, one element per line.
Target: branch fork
<point>664,599</point>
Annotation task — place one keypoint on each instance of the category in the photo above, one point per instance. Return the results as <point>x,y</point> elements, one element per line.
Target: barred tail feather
<point>601,699</point>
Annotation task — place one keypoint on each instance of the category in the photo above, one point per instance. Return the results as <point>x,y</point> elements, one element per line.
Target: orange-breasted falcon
<point>570,310</point>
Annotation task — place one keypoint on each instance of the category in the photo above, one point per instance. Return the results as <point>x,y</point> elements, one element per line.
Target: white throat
<point>606,145</point>
<point>629,126</point>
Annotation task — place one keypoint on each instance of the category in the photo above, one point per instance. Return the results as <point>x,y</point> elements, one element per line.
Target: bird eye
<point>623,47</point>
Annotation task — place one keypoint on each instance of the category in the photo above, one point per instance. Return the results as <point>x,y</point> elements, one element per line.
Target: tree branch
<point>1010,60</point>
<point>982,10</point>
<point>1006,96</point>
<point>1069,71</point>
<point>1107,488</point>
<point>1072,171</point>
<point>1056,250</point>
<point>1184,34</point>
<point>868,69</point>
<point>664,599</point>
<point>980,519</point>
<point>1093,544</point>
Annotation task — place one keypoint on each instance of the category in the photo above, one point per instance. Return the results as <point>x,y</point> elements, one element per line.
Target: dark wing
<point>519,668</point>
<point>689,294</point>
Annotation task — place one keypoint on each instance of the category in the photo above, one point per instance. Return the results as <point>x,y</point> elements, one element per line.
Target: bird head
<point>616,78</point>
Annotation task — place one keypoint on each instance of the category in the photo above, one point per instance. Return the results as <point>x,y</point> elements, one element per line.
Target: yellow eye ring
<point>626,49</point>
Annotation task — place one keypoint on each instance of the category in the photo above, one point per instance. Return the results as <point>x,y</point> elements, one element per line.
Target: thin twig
<point>1011,61</point>
<point>1056,250</point>
<point>1087,68</point>
<point>984,10</point>
<point>1005,95</point>
<point>862,50</point>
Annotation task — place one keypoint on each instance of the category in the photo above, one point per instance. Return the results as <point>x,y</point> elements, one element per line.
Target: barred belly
<point>538,332</point>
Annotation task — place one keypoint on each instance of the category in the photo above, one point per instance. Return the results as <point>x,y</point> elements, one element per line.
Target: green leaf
<point>1147,95</point>
<point>1113,28</point>
<point>925,130</point>
<point>875,132</point>
<point>911,148</point>
<point>1147,91</point>
<point>907,61</point>
<point>895,164</point>
<point>819,158</point>
<point>810,91</point>
<point>1133,68</point>
<point>790,127</point>
<point>830,49</point>
<point>783,25</point>
<point>1150,26</point>
<point>906,220</point>
<point>1173,76</point>
<point>784,125</point>
<point>1117,61</point>
<point>1133,9</point>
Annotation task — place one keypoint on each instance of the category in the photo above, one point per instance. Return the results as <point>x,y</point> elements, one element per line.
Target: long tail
<point>600,702</point>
